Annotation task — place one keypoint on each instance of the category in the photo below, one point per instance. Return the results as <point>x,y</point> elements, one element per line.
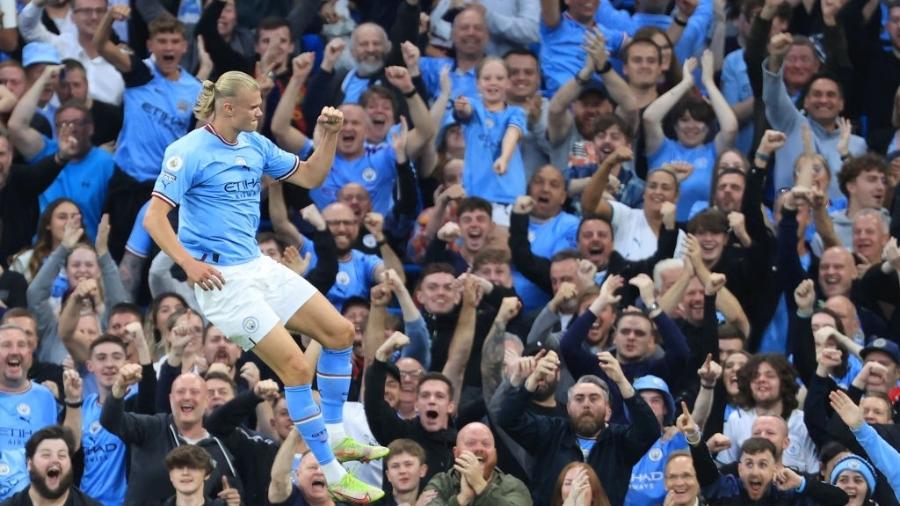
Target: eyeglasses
<point>410,374</point>
<point>72,123</point>
<point>97,11</point>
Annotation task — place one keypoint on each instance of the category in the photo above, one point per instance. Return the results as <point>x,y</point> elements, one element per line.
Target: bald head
<point>836,271</point>
<point>475,440</point>
<point>773,428</point>
<point>343,225</point>
<point>188,400</point>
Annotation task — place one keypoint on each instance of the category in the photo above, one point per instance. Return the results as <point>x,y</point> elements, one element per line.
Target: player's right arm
<point>175,179</point>
<point>313,171</point>
<point>156,221</point>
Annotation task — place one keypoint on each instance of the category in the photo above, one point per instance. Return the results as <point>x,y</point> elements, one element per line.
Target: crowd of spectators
<point>596,252</point>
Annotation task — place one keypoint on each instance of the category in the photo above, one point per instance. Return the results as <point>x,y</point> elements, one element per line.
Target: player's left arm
<point>311,173</point>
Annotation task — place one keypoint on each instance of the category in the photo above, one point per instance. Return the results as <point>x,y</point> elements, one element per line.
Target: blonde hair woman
<point>213,174</point>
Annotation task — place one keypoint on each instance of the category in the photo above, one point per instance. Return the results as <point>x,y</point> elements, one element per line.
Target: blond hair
<point>228,85</point>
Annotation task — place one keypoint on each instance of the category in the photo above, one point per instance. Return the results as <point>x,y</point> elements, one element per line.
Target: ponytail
<point>227,86</point>
<point>206,101</point>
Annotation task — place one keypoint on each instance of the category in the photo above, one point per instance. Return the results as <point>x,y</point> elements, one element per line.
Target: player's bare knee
<point>343,337</point>
<point>296,371</point>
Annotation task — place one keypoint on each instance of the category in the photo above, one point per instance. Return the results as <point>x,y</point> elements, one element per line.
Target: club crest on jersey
<point>239,160</point>
<point>23,409</point>
<point>174,163</point>
<point>368,174</point>
<point>4,469</point>
<point>342,278</point>
<point>95,427</point>
<point>655,454</point>
<point>182,106</point>
<point>489,123</point>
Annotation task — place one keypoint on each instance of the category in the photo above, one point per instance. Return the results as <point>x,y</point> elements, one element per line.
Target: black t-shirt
<point>107,122</point>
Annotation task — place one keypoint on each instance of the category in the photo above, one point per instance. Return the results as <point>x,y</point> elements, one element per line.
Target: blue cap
<point>39,52</point>
<point>650,382</point>
<point>884,346</point>
<point>856,464</point>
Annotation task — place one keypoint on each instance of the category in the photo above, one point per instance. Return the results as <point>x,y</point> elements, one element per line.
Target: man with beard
<point>357,271</point>
<point>397,224</point>
<point>49,459</point>
<point>767,386</point>
<point>761,480</point>
<point>25,407</point>
<point>217,349</point>
<point>475,475</point>
<point>554,442</point>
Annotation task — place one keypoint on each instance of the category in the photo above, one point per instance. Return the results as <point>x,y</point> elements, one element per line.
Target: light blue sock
<point>307,418</point>
<point>333,377</point>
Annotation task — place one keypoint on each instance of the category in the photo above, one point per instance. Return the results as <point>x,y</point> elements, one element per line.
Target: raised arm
<point>28,141</point>
<point>728,125</point>
<point>659,108</point>
<point>463,336</point>
<point>282,467</point>
<point>424,127</point>
<point>592,197</point>
<point>493,350</point>
<point>118,56</point>
<point>550,13</point>
<point>313,171</point>
<point>419,339</point>
<point>278,214</point>
<point>375,323</point>
<point>616,86</point>
<point>780,109</point>
<point>286,134</point>
<point>374,223</point>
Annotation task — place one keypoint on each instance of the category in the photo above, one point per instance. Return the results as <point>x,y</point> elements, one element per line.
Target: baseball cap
<point>593,87</point>
<point>39,52</point>
<point>651,382</point>
<point>883,345</point>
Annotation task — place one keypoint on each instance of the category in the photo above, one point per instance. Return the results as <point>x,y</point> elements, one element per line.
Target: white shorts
<point>257,296</point>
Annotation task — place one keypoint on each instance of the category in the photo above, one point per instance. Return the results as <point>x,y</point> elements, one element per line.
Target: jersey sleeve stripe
<point>165,198</point>
<point>292,171</point>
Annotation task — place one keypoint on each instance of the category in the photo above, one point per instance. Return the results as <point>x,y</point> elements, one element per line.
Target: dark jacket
<point>581,362</point>
<point>76,498</point>
<point>553,444</point>
<point>149,439</point>
<point>253,452</point>
<point>19,203</point>
<point>387,426</point>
